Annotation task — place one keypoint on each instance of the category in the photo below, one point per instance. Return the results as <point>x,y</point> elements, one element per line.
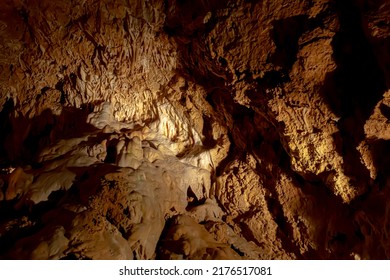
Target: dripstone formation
<point>151,129</point>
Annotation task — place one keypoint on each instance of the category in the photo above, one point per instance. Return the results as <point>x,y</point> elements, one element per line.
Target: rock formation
<point>151,129</point>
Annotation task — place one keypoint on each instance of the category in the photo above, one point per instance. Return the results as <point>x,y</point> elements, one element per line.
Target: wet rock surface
<point>194,129</point>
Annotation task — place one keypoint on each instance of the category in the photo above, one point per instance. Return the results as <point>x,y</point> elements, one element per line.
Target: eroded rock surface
<point>194,129</point>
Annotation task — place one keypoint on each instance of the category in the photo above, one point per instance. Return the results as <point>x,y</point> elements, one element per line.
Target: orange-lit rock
<point>194,129</point>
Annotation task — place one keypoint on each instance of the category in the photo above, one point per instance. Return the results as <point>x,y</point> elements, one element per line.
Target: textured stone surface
<point>194,129</point>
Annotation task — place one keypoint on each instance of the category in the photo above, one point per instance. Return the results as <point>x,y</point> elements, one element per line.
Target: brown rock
<point>194,129</point>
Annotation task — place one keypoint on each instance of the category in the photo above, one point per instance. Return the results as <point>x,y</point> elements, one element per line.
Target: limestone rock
<point>194,129</point>
<point>187,239</point>
<point>378,126</point>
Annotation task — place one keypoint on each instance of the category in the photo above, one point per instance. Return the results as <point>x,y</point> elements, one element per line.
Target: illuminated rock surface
<point>194,129</point>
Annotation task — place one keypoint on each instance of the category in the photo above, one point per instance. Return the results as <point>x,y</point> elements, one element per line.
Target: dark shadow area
<point>272,79</point>
<point>21,141</point>
<point>207,131</point>
<point>185,24</point>
<point>75,256</point>
<point>6,127</point>
<point>192,200</point>
<point>21,226</point>
<point>186,18</point>
<point>380,151</point>
<point>88,181</point>
<point>46,215</point>
<point>242,123</point>
<point>334,219</point>
<point>166,245</point>
<point>23,137</point>
<point>111,151</point>
<point>285,229</point>
<point>385,110</point>
<point>286,33</point>
<point>358,79</point>
<point>354,88</point>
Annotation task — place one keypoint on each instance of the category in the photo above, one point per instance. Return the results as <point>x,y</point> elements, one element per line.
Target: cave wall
<point>194,129</point>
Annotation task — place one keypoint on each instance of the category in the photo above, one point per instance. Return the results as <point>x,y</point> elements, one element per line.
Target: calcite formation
<point>151,129</point>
